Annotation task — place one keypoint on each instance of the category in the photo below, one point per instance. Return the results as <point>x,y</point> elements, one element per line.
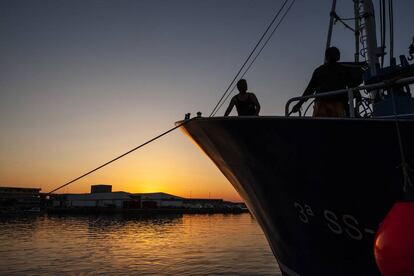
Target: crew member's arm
<point>231,105</point>
<point>256,104</point>
<point>310,89</point>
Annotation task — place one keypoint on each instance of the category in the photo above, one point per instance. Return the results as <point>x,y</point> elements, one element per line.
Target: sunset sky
<point>85,80</point>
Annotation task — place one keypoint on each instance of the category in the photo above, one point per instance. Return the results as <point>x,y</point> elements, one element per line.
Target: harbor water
<point>118,245</point>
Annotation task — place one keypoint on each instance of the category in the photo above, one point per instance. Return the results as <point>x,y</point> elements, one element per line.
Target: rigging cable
<point>349,18</point>
<point>250,55</point>
<point>257,54</point>
<point>120,156</point>
<point>338,18</point>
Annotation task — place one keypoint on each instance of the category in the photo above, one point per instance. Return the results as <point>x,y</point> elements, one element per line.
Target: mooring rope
<point>120,156</point>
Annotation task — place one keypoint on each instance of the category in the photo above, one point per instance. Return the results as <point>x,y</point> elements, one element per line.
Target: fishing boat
<point>321,187</point>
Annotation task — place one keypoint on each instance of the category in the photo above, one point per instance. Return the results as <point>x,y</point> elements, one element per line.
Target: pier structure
<point>103,199</point>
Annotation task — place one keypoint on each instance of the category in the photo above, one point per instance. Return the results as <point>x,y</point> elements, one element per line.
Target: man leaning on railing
<point>328,77</point>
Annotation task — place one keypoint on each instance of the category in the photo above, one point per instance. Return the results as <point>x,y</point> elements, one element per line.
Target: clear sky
<point>85,80</point>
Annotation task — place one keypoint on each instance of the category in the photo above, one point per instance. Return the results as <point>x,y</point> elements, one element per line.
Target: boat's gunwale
<point>400,118</point>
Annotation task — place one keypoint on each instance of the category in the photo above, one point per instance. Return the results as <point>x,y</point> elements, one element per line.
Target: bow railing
<point>350,92</point>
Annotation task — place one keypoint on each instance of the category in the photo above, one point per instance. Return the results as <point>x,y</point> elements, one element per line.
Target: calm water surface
<point>161,245</point>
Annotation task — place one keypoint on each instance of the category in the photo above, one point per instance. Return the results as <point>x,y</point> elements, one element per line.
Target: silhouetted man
<point>246,102</point>
<point>328,77</point>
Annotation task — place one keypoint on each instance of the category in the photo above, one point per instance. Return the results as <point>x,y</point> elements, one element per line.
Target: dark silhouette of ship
<point>320,187</point>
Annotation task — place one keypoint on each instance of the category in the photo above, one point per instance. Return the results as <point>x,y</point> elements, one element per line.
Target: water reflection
<point>166,245</point>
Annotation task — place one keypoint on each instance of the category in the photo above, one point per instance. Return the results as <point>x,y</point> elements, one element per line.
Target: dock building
<point>19,199</point>
<point>101,196</point>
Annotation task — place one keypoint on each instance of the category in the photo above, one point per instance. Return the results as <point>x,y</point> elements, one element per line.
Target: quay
<point>102,200</point>
<point>155,211</point>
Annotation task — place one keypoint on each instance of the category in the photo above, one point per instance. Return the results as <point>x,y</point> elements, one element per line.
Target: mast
<point>331,22</point>
<point>369,30</point>
<point>357,30</point>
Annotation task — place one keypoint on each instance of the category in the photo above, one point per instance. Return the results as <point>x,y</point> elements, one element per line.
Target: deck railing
<point>350,92</point>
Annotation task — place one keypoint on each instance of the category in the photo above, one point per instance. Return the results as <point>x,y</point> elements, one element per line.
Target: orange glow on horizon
<point>173,166</point>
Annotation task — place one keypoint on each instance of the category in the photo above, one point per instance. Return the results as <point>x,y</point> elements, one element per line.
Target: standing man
<point>328,77</point>
<point>246,102</point>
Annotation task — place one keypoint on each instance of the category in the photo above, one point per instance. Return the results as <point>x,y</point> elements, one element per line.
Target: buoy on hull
<point>394,242</point>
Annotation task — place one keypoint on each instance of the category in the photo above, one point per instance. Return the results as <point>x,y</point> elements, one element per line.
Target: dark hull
<point>318,187</point>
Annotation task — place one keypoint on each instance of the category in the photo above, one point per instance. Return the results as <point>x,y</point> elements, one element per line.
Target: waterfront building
<point>19,199</point>
<point>100,199</point>
<point>101,188</point>
<point>102,196</point>
<point>160,200</point>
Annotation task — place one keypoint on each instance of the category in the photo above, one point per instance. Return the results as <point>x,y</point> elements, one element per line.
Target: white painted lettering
<point>301,212</point>
<point>332,222</point>
<point>352,227</point>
